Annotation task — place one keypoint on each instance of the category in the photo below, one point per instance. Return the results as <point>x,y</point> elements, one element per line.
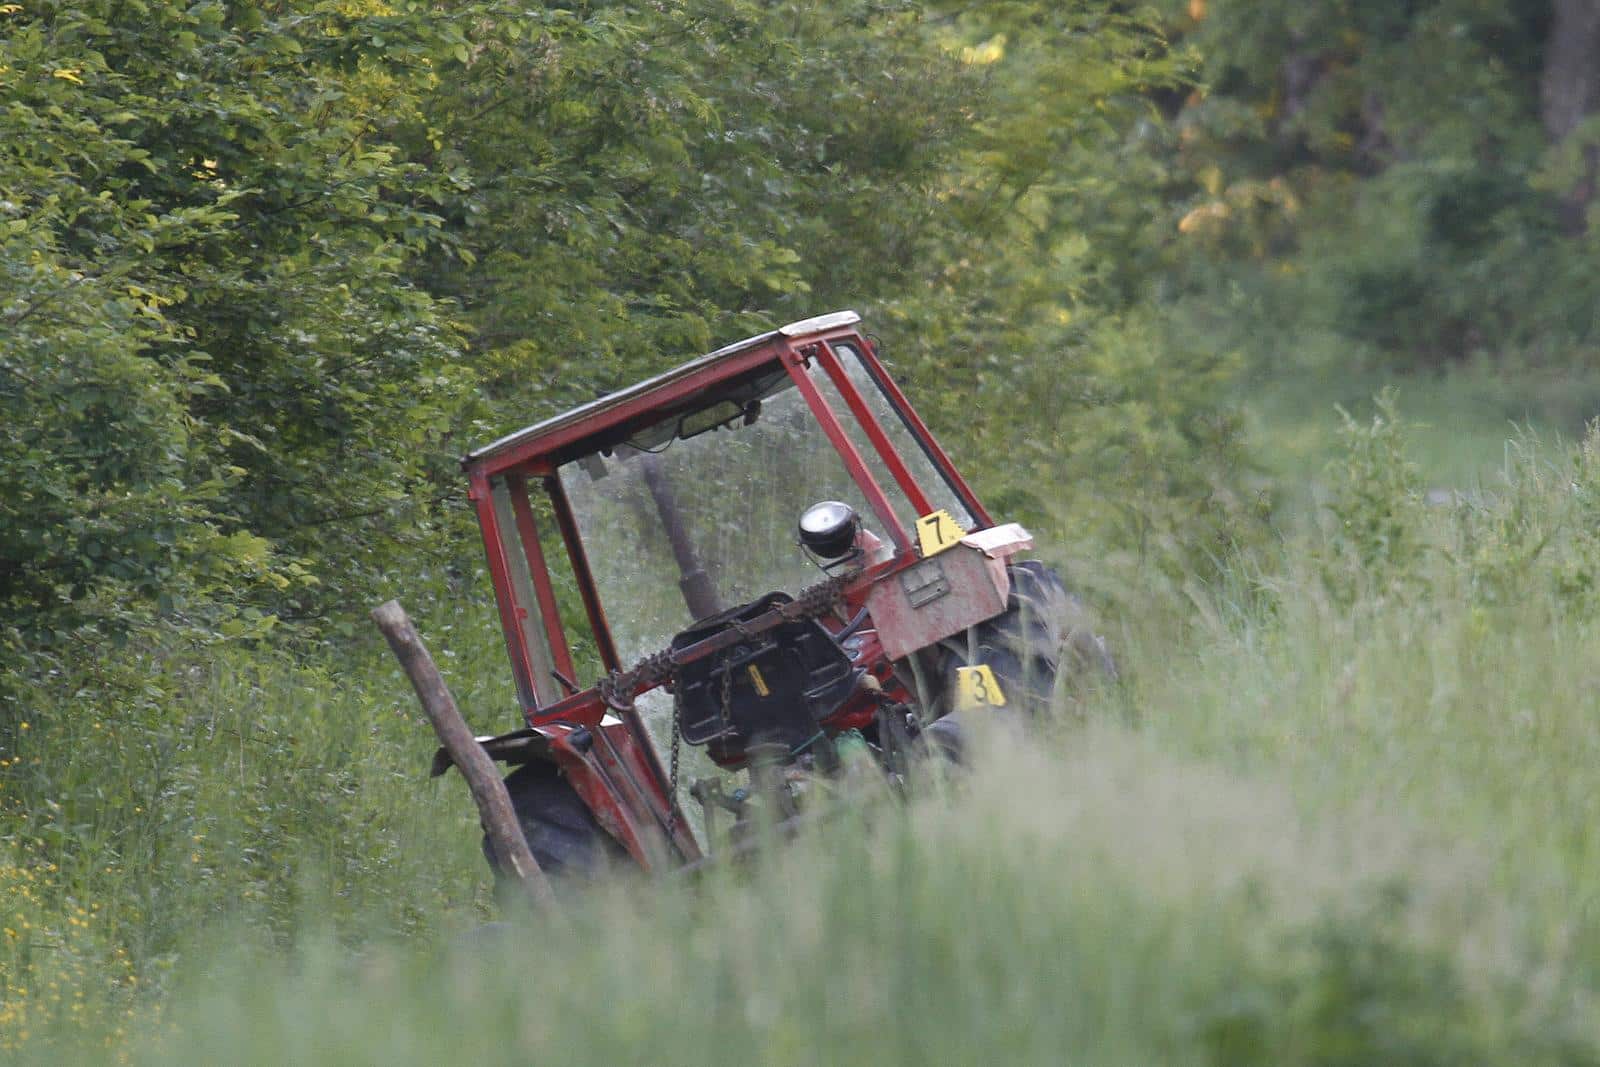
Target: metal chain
<point>727,699</point>
<point>677,743</point>
<point>617,689</point>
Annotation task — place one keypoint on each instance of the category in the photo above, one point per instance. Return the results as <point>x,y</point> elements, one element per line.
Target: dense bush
<point>212,360</point>
<point>271,270</point>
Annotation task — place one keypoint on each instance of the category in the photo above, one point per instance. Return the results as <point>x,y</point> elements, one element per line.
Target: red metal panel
<point>869,422</point>
<point>668,394</point>
<point>604,772</point>
<point>847,450</point>
<point>579,709</point>
<point>511,612</point>
<point>615,745</point>
<point>588,413</point>
<point>619,818</point>
<point>543,590</point>
<point>920,430</point>
<point>939,597</point>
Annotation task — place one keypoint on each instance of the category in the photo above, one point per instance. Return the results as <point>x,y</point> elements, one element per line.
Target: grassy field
<point>1460,419</point>
<point>1340,812</point>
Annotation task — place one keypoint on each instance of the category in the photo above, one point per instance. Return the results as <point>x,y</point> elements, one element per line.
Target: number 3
<point>977,687</point>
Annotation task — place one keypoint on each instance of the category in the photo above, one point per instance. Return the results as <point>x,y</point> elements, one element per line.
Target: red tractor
<point>774,570</point>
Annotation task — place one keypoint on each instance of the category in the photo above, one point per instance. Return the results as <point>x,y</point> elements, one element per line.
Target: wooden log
<point>488,791</point>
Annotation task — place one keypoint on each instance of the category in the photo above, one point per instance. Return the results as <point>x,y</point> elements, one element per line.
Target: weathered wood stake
<point>488,791</point>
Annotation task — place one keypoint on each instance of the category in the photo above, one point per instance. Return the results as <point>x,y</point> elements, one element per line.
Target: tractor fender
<point>519,746</point>
<point>592,767</point>
<point>572,749</point>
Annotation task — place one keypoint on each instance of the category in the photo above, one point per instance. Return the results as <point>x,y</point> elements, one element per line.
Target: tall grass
<point>1107,905</point>
<point>155,794</point>
<point>1339,812</point>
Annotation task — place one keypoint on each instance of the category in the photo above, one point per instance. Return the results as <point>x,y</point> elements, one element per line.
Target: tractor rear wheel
<point>1040,645</point>
<point>561,831</point>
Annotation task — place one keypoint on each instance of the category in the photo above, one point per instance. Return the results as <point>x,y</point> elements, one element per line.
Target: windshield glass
<point>679,527</point>
<point>698,512</point>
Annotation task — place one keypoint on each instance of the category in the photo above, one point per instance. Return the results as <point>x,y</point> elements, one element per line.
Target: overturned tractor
<point>777,577</point>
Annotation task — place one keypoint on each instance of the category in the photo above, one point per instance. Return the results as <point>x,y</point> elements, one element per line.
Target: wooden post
<point>488,791</point>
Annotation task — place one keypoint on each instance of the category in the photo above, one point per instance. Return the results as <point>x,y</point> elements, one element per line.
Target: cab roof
<point>522,440</point>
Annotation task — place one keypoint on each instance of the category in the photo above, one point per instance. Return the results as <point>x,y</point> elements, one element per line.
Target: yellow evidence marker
<point>977,687</point>
<point>937,531</point>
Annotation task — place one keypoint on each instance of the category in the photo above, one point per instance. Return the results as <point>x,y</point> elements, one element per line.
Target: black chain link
<point>727,700</point>
<point>677,744</point>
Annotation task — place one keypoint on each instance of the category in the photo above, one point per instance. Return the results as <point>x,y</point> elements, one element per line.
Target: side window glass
<point>917,461</point>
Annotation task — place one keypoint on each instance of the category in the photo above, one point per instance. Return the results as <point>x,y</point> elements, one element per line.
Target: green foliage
<point>639,183</point>
<point>112,490</point>
<point>148,797</point>
<point>1158,445</point>
<point>272,216</point>
<point>211,358</point>
<point>1192,917</point>
<point>1075,404</point>
<point>1349,827</point>
<point>1381,171</point>
<point>1533,530</point>
<point>1539,527</point>
<point>1375,498</point>
<point>266,269</point>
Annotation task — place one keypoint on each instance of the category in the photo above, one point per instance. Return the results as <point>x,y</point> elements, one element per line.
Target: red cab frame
<point>606,752</point>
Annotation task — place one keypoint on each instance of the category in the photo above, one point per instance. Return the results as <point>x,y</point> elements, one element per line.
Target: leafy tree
<point>211,356</point>
<point>645,181</point>
<point>1380,172</point>
<point>266,257</point>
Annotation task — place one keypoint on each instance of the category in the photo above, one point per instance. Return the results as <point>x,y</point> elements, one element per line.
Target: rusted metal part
<point>619,688</point>
<point>606,767</point>
<point>935,599</point>
<point>638,757</point>
<point>683,380</point>
<point>999,544</point>
<point>512,610</point>
<point>619,814</point>
<point>667,832</point>
<point>528,534</point>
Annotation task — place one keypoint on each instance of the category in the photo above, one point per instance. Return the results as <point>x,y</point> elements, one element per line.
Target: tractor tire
<point>561,831</point>
<point>1038,647</point>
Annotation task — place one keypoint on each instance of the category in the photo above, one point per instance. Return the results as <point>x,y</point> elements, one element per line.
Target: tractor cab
<point>748,561</point>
